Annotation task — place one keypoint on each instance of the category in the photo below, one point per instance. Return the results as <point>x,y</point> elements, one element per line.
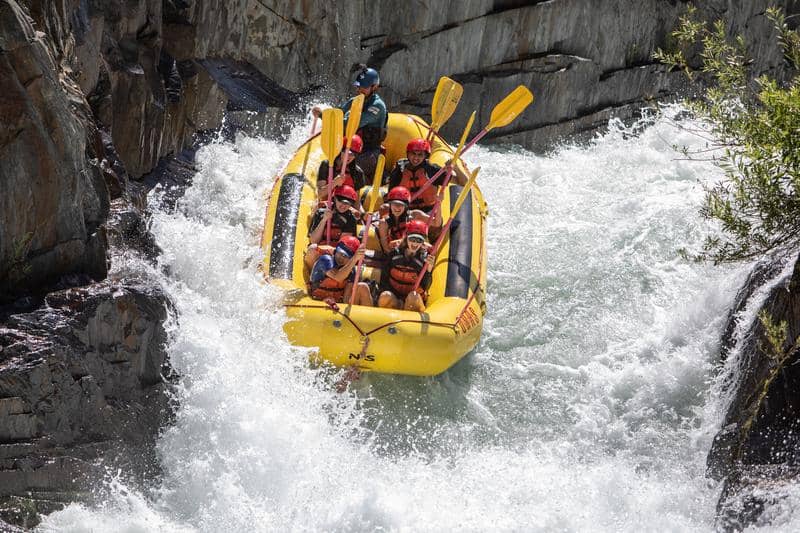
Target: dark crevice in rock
<point>631,66</point>
<point>379,56</point>
<point>247,88</point>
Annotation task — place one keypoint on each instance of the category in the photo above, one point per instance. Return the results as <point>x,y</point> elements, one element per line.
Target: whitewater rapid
<point>589,404</point>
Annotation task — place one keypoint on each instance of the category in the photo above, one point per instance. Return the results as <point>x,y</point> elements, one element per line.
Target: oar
<point>445,100</point>
<point>331,141</point>
<point>502,115</point>
<point>353,119</point>
<point>360,261</point>
<point>376,184</point>
<point>446,227</point>
<point>453,161</point>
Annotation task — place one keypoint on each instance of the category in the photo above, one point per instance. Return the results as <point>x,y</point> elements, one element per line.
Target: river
<point>589,404</point>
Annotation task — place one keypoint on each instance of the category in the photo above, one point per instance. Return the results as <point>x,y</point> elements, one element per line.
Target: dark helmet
<point>417,228</point>
<point>321,266</point>
<point>418,145</point>
<point>367,78</point>
<point>348,245</point>
<point>356,145</point>
<point>346,194</point>
<point>399,194</point>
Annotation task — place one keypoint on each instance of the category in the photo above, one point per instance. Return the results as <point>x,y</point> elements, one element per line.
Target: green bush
<point>757,122</point>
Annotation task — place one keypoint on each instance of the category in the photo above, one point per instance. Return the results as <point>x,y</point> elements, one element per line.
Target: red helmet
<point>399,194</point>
<point>418,228</point>
<point>348,243</point>
<point>356,145</point>
<point>418,145</point>
<point>346,191</point>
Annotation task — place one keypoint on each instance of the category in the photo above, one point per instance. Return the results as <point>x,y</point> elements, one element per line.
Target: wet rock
<point>760,434</point>
<point>82,389</point>
<point>53,199</point>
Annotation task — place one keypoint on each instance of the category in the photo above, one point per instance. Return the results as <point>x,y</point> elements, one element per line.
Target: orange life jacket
<point>413,180</point>
<point>329,288</point>
<point>403,272</point>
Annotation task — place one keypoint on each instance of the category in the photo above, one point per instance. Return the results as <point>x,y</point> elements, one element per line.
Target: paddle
<point>453,161</point>
<point>502,115</point>
<point>353,120</point>
<point>331,141</point>
<point>376,184</point>
<point>360,261</point>
<point>446,227</point>
<point>445,100</point>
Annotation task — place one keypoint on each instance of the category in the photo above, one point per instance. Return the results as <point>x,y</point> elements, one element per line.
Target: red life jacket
<point>397,227</point>
<point>413,180</point>
<point>403,272</point>
<point>329,288</point>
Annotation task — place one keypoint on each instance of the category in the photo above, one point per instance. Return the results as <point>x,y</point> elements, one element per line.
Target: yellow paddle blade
<point>445,100</point>
<point>354,118</point>
<point>464,191</point>
<point>511,106</point>
<point>331,135</point>
<point>376,183</point>
<point>463,138</point>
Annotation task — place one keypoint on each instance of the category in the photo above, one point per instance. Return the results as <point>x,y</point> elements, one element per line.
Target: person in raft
<point>404,264</point>
<point>332,275</point>
<point>343,222</point>
<point>392,228</point>
<point>353,176</point>
<point>416,170</point>
<point>374,118</point>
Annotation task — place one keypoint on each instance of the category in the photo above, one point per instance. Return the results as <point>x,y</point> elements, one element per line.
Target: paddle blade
<point>376,183</point>
<point>510,108</point>
<point>354,118</point>
<point>463,138</point>
<point>331,135</point>
<point>445,100</point>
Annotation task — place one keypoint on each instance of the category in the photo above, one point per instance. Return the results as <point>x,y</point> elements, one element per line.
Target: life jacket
<point>413,180</point>
<point>328,288</point>
<point>339,222</point>
<point>348,178</point>
<point>397,227</point>
<point>403,272</point>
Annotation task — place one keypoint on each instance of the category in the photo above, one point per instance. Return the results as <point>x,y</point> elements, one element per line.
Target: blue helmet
<point>321,266</point>
<point>367,78</point>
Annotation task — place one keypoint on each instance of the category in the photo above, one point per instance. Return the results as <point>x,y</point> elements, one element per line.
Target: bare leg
<point>388,299</point>
<point>414,302</point>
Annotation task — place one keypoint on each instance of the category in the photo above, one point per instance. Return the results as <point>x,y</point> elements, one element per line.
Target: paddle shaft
<point>330,204</point>
<point>469,145</point>
<point>367,224</point>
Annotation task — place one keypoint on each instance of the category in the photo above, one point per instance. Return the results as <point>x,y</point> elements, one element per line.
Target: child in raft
<point>353,176</point>
<point>332,276</point>
<point>403,266</point>
<point>392,227</point>
<point>343,219</point>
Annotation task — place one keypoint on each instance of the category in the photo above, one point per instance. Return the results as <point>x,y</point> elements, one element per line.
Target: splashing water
<point>589,403</point>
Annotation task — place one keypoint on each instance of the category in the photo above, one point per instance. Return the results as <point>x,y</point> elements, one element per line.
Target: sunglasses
<point>398,203</point>
<point>343,200</point>
<point>418,240</point>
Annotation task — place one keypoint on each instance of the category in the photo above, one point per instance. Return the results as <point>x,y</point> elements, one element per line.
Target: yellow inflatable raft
<point>372,338</point>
